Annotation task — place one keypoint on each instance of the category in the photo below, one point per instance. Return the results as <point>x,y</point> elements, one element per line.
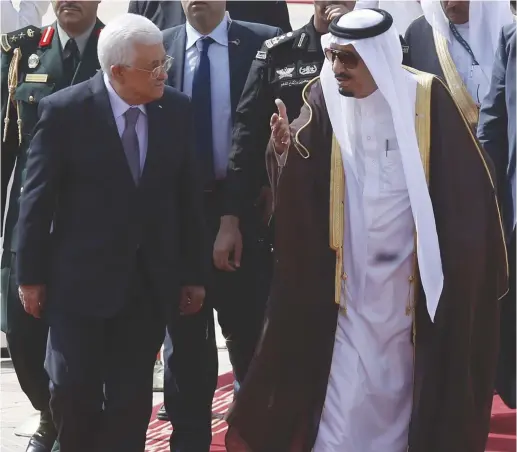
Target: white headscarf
<point>486,19</point>
<point>403,11</point>
<point>382,55</point>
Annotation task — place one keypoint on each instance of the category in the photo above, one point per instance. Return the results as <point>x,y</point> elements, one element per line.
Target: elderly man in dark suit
<point>496,132</point>
<point>212,57</point>
<point>111,236</point>
<point>169,13</point>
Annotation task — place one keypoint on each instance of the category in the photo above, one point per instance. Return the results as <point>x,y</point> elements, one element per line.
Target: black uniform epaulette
<point>19,38</point>
<point>275,42</point>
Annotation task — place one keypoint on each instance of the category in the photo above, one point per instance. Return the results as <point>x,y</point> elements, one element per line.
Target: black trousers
<point>505,381</point>
<point>239,297</point>
<point>26,338</point>
<point>101,373</point>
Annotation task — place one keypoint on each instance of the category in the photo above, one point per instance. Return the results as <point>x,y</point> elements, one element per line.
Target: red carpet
<point>159,432</point>
<point>502,428</point>
<point>502,432</point>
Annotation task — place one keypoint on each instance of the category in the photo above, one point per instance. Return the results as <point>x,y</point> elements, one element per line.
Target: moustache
<point>343,77</point>
<point>69,5</point>
<point>453,9</point>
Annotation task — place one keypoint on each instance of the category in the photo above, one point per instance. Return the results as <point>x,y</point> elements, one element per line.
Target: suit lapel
<point>89,63</point>
<point>176,50</point>
<point>106,123</point>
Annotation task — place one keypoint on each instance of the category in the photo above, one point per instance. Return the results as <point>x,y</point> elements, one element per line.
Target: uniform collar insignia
<point>46,37</point>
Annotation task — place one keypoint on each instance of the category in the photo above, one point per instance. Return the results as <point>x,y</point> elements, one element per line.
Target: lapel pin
<point>33,61</point>
<point>159,106</point>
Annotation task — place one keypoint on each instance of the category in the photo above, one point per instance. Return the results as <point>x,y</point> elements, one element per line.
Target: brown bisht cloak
<point>279,406</point>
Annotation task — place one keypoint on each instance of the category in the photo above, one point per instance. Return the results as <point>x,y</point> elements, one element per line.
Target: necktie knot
<point>205,43</point>
<point>132,115</point>
<point>71,49</point>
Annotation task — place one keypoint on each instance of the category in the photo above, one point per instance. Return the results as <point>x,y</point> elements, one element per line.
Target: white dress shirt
<point>369,394</point>
<point>29,13</point>
<point>119,108</point>
<point>220,88</point>
<point>472,76</point>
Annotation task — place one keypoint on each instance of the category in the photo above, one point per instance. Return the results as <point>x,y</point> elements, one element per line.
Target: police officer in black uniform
<point>282,68</point>
<point>36,63</point>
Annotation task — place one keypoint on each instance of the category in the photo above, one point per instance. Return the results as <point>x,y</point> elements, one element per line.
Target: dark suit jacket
<point>168,14</point>
<point>78,179</point>
<point>421,49</point>
<point>244,40</point>
<point>496,129</point>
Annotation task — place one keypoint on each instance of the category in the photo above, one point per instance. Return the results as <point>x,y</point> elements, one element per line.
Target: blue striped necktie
<point>202,106</point>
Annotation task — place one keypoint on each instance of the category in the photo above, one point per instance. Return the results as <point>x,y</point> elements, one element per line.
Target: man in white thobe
<point>457,41</point>
<point>373,323</point>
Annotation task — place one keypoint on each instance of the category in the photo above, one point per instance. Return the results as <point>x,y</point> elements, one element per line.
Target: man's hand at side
<point>33,299</point>
<point>228,243</point>
<point>191,299</point>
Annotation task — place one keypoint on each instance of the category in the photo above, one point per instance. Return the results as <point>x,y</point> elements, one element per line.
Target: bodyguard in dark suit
<point>169,13</point>
<point>36,63</point>
<point>496,132</point>
<point>111,236</point>
<point>212,57</point>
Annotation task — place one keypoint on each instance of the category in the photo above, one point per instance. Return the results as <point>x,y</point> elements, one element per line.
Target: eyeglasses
<point>156,72</point>
<point>347,59</point>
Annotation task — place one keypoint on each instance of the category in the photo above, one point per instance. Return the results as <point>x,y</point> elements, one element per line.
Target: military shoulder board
<point>261,55</point>
<point>18,38</point>
<point>277,40</point>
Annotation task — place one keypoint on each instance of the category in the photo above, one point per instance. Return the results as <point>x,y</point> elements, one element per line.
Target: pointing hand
<point>280,132</point>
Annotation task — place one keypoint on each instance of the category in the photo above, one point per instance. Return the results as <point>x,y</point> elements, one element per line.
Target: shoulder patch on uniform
<point>19,37</point>
<point>301,41</point>
<point>405,49</point>
<point>261,55</point>
<point>277,40</point>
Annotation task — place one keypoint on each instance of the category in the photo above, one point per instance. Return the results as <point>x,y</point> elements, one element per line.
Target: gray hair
<point>117,40</point>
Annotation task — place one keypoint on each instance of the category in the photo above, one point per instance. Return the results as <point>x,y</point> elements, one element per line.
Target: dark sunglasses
<point>347,59</point>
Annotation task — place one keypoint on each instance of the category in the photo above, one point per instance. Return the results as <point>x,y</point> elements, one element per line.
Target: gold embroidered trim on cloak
<point>456,85</point>
<point>423,135</point>
<point>302,150</point>
<point>337,214</point>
